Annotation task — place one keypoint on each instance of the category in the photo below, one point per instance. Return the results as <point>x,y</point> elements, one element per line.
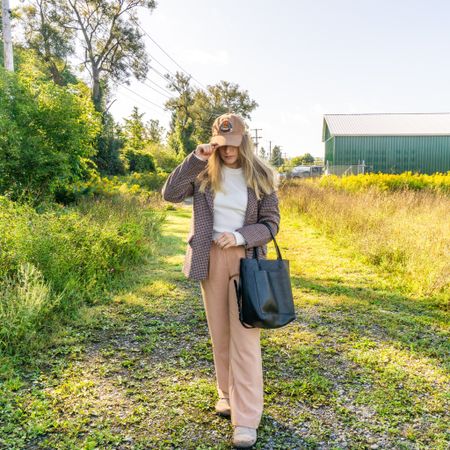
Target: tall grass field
<point>399,223</point>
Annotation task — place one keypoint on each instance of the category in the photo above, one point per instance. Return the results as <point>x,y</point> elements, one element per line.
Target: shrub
<point>145,185</point>
<point>47,134</point>
<point>139,161</point>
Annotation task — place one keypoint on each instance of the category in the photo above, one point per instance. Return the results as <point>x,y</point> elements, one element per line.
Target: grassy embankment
<point>55,260</point>
<point>366,365</point>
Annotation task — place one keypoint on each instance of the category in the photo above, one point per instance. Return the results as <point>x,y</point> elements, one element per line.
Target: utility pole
<point>7,39</point>
<point>256,137</point>
<point>270,150</point>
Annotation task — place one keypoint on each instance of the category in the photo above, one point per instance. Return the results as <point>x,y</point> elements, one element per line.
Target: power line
<point>143,98</point>
<point>133,92</point>
<point>143,82</point>
<point>156,90</point>
<point>162,76</point>
<point>146,79</point>
<point>158,73</point>
<point>138,102</point>
<point>154,59</point>
<point>167,54</point>
<point>160,87</point>
<point>108,32</point>
<point>154,69</point>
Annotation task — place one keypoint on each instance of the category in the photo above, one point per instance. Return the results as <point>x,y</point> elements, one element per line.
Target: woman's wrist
<point>198,156</point>
<point>240,240</point>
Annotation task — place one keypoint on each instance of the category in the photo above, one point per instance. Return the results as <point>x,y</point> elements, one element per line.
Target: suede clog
<point>244,437</point>
<point>223,407</point>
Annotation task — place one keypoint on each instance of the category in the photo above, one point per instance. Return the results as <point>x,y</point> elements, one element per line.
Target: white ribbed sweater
<point>230,204</point>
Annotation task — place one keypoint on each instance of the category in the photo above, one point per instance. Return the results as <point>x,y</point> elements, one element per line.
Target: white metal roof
<point>387,124</point>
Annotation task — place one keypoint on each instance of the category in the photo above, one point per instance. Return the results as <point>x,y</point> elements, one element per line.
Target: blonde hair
<point>258,174</point>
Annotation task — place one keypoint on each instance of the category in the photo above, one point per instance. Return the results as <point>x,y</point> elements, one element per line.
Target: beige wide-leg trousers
<point>236,349</point>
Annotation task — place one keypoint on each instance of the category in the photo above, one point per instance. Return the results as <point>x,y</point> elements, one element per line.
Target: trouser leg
<point>215,300</point>
<point>236,349</point>
<point>246,376</point>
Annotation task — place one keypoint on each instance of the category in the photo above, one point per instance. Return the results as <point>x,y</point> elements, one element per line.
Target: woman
<point>233,190</point>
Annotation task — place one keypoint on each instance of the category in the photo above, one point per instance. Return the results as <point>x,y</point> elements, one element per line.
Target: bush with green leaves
<point>139,161</point>
<point>147,184</point>
<point>166,159</point>
<point>47,134</point>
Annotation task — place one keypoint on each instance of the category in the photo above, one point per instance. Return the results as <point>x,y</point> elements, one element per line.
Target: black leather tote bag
<point>264,293</point>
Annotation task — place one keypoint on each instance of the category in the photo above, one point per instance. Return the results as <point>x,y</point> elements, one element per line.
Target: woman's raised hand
<point>205,150</point>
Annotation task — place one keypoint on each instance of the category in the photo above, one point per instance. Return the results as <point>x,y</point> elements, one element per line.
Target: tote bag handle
<point>255,253</point>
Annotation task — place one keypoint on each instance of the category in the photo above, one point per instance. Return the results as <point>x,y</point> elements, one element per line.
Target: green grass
<point>364,366</point>
<point>54,261</point>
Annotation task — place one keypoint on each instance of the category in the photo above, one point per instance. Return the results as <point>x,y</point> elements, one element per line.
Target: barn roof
<point>387,124</point>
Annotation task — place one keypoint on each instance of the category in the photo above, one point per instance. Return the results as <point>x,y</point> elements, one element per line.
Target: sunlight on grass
<point>158,288</point>
<point>364,364</point>
<point>420,374</point>
<point>405,233</point>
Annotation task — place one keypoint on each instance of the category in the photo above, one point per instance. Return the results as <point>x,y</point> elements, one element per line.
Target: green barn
<point>388,143</point>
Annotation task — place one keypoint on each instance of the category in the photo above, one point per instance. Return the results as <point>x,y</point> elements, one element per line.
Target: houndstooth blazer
<point>182,183</point>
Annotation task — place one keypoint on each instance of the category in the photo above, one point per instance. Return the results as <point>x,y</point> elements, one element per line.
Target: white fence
<point>347,169</point>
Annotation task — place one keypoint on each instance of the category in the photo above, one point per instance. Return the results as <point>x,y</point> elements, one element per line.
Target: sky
<point>301,59</point>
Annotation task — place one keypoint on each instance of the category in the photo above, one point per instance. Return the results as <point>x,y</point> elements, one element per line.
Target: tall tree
<point>113,45</point>
<point>155,131</point>
<point>136,155</point>
<point>308,158</point>
<point>45,33</point>
<point>276,159</point>
<point>134,131</point>
<point>109,145</point>
<point>108,31</point>
<point>218,99</point>
<point>263,153</point>
<point>194,110</point>
<point>182,120</point>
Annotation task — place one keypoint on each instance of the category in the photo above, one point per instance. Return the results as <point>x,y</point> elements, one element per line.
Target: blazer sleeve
<point>257,234</point>
<point>180,183</point>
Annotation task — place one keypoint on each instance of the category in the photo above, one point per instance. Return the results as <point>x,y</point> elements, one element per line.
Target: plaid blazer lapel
<point>252,205</point>
<point>209,195</point>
